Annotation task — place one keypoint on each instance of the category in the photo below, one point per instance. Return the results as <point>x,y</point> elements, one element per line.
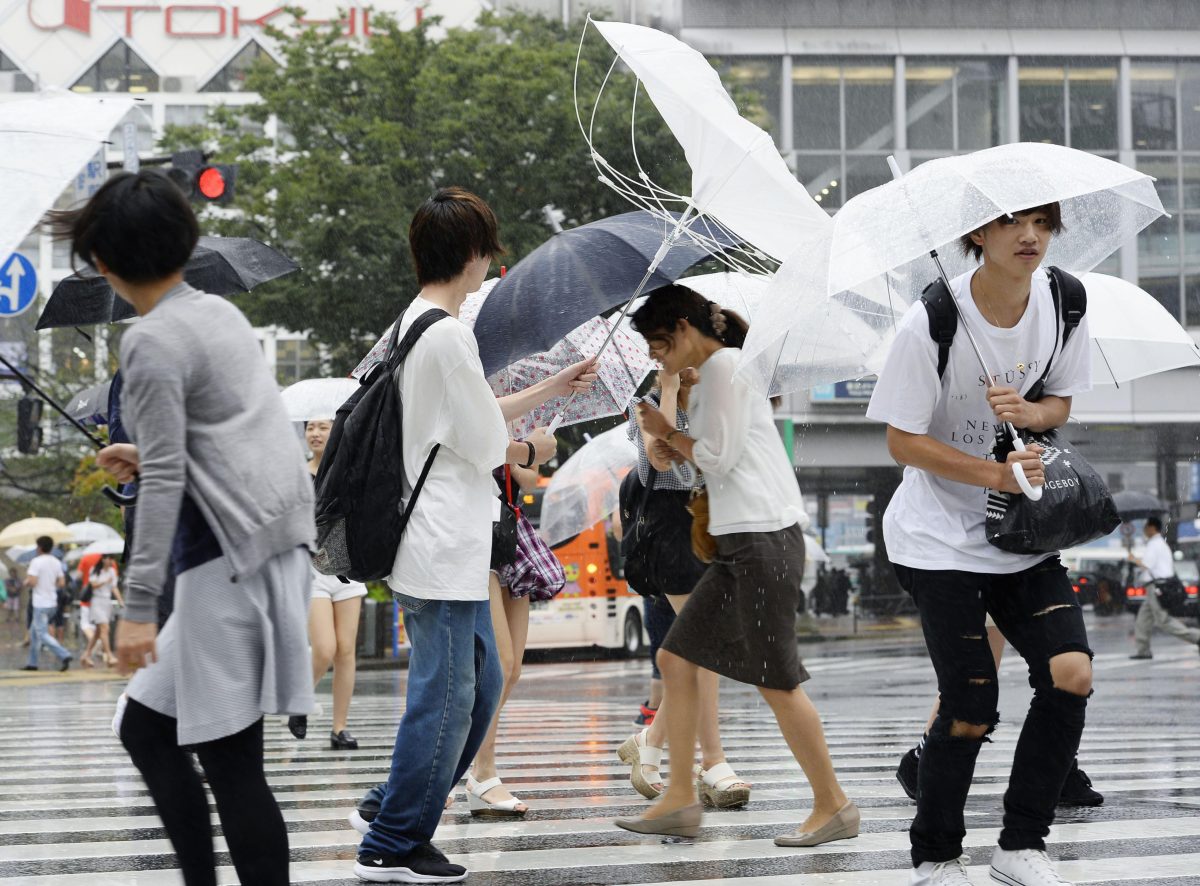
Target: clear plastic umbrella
<point>88,531</point>
<point>584,489</point>
<point>826,317</point>
<point>317,398</point>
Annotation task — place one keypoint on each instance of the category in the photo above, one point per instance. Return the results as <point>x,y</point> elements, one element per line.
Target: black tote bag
<point>1076,506</point>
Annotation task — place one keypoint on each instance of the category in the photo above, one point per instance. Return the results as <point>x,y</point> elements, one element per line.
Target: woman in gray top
<point>224,497</point>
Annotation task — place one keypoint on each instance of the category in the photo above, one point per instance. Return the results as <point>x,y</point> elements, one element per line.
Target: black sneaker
<point>368,808</point>
<point>424,864</point>
<point>906,773</point>
<point>66,663</point>
<point>1078,791</point>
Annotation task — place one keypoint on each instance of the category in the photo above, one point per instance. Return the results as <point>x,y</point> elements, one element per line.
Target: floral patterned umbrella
<point>623,366</point>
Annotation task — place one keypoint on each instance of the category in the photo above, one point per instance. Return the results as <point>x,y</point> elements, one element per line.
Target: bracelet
<point>532,454</point>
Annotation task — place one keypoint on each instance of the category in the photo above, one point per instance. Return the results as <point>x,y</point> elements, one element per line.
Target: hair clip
<point>717,318</point>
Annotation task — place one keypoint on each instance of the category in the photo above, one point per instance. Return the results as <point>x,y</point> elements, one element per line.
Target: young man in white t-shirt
<point>1157,565</point>
<point>45,577</point>
<point>943,430</point>
<point>440,575</point>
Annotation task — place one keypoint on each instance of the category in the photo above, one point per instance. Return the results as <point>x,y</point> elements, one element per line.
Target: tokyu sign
<point>177,20</point>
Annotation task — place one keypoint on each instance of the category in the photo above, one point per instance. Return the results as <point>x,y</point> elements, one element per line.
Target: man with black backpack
<point>454,436</point>
<point>942,412</point>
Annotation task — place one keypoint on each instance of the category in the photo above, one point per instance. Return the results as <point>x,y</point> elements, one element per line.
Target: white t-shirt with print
<point>932,522</point>
<point>47,570</point>
<point>447,546</point>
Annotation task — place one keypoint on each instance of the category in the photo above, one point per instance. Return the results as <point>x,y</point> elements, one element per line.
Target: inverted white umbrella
<point>585,488</point>
<point>1133,335</point>
<point>317,399</point>
<point>44,143</point>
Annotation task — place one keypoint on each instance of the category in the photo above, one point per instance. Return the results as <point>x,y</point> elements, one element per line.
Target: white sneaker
<point>942,873</point>
<point>1024,867</point>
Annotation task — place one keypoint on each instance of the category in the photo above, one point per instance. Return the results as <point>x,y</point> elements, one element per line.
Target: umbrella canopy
<point>585,487</point>
<point>317,398</point>
<point>89,531</point>
<point>90,405</point>
<point>106,547</point>
<point>220,265</point>
<point>622,367</point>
<point>872,264</point>
<point>1133,505</point>
<point>45,142</point>
<point>573,277</point>
<point>1133,335</point>
<point>28,556</point>
<point>28,531</point>
<point>738,176</point>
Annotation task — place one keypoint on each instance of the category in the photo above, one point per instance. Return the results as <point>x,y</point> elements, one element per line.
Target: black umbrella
<point>220,265</point>
<point>577,275</point>
<point>1135,505</point>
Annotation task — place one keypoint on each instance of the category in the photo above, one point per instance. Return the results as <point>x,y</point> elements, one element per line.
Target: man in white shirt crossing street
<point>45,577</point>
<point>1158,566</point>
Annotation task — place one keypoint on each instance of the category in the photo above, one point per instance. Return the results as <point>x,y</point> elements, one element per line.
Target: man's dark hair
<point>1155,522</point>
<point>450,229</point>
<point>45,544</point>
<point>1053,210</point>
<point>139,224</point>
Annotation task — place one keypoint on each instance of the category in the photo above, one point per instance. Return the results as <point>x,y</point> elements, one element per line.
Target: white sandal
<point>481,808</point>
<point>721,788</point>
<point>638,756</point>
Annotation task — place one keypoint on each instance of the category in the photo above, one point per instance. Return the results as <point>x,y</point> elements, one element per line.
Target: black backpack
<point>1070,304</point>
<point>361,514</point>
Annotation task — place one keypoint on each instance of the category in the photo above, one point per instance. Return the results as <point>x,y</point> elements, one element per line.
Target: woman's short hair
<point>139,224</point>
<point>1052,210</point>
<point>450,229</point>
<point>660,314</point>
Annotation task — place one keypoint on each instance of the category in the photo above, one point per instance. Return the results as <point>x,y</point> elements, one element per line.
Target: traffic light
<point>29,425</point>
<point>201,181</point>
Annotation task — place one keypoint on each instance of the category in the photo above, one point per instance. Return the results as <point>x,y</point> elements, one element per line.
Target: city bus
<point>596,607</point>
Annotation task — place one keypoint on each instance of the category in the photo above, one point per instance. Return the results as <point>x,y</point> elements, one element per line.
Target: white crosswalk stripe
<point>74,812</point>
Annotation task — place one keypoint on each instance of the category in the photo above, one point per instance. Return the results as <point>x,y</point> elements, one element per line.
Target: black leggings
<point>250,818</point>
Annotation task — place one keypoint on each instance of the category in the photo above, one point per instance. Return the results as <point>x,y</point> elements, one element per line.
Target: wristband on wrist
<point>532,454</point>
<point>667,439</point>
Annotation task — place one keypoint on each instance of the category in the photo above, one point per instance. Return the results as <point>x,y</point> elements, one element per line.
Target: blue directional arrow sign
<point>18,285</point>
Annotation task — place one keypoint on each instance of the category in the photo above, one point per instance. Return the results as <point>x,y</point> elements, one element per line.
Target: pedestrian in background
<point>219,497</point>
<point>44,578</point>
<point>104,591</point>
<point>1157,569</point>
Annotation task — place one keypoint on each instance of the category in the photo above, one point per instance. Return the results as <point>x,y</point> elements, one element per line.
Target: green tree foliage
<point>374,127</point>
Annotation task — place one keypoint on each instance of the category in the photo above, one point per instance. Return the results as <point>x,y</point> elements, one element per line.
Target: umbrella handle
<point>1033,493</point>
<point>554,425</point>
<point>118,498</point>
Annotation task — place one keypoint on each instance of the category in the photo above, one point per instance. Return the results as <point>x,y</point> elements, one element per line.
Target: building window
<point>758,77</point>
<point>1154,106</point>
<point>1071,103</point>
<point>843,113</point>
<point>232,77</point>
<point>12,78</point>
<point>185,115</point>
<point>954,105</point>
<point>119,70</point>
<point>295,360</point>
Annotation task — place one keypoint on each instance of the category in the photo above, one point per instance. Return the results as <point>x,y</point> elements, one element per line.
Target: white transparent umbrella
<point>1133,335</point>
<point>317,399</point>
<point>88,531</point>
<point>831,309</point>
<point>45,141</point>
<point>584,489</point>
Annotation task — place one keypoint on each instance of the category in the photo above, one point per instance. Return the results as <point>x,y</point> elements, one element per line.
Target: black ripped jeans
<point>1037,612</point>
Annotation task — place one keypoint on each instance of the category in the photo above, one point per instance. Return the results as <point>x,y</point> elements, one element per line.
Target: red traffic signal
<point>201,181</point>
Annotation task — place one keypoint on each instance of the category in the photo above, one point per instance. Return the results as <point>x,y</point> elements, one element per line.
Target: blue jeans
<point>454,686</point>
<point>39,634</point>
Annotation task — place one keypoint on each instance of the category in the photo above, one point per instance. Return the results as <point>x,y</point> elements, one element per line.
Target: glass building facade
<point>836,119</point>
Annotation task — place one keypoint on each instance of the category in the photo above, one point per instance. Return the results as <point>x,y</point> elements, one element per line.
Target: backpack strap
<point>943,320</point>
<point>1073,296</point>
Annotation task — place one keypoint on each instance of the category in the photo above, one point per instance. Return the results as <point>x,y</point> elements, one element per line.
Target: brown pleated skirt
<point>740,621</point>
